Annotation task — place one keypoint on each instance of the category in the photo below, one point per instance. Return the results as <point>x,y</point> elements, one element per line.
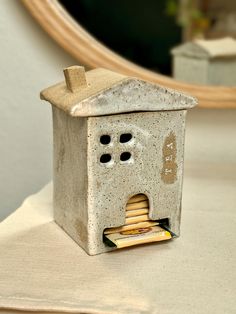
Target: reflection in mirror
<point>147,33</point>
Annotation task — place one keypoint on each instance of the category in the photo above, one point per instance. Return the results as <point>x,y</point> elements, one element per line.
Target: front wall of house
<point>154,168</point>
<point>222,72</point>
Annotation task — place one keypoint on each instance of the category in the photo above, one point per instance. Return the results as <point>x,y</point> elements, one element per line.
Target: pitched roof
<point>109,93</point>
<point>208,49</point>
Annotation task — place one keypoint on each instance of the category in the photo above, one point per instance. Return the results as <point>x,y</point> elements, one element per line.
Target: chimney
<point>75,78</point>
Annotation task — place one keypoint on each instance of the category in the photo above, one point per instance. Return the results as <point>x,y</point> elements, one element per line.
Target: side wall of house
<point>191,70</point>
<point>155,168</point>
<point>70,175</point>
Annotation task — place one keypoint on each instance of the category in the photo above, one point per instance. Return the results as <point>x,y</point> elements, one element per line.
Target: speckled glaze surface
<point>112,184</point>
<point>94,179</point>
<point>111,93</point>
<point>90,196</point>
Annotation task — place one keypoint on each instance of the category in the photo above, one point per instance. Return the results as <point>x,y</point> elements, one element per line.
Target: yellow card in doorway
<point>138,236</point>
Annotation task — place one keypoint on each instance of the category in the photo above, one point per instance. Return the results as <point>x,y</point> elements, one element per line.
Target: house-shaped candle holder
<point>208,62</point>
<point>118,155</point>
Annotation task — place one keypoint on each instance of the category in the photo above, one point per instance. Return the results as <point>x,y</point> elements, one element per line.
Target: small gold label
<point>169,170</point>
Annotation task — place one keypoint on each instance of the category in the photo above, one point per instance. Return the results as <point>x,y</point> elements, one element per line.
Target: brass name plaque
<point>169,170</point>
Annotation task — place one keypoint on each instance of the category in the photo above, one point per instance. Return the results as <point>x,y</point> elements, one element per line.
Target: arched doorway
<point>138,227</point>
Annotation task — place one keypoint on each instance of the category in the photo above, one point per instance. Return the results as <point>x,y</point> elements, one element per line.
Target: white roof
<point>219,47</point>
<point>214,48</point>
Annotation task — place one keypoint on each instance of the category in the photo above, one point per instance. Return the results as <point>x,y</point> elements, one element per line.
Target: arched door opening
<point>138,227</point>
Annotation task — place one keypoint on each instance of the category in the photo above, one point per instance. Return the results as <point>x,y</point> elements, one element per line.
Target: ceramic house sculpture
<point>118,156</point>
<point>208,62</point>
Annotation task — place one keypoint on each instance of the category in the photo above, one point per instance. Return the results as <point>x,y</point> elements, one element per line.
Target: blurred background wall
<point>30,61</point>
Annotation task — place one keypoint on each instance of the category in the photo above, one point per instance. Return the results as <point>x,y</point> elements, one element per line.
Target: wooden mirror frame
<point>57,22</point>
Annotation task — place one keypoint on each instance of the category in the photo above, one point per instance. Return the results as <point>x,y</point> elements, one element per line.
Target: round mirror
<point>133,39</point>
